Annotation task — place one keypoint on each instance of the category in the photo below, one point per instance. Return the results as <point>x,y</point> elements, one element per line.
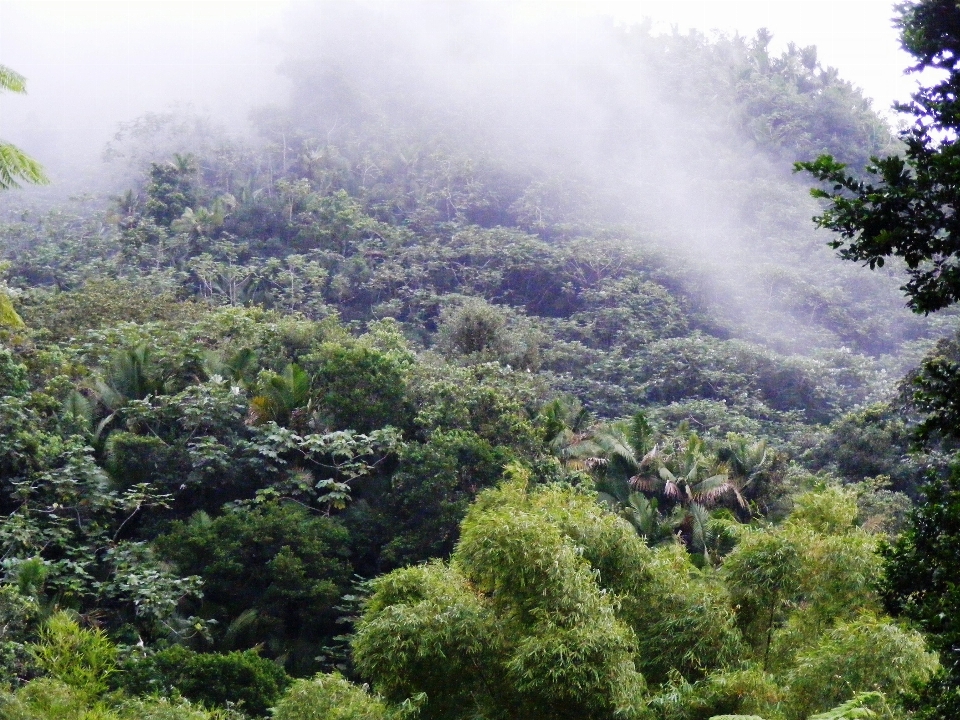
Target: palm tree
<point>15,166</point>
<point>239,369</point>
<point>132,375</point>
<point>643,513</point>
<point>748,461</point>
<point>282,396</point>
<point>568,429</point>
<point>686,473</point>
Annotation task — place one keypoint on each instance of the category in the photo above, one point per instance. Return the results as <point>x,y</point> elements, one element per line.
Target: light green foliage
<point>864,653</point>
<point>8,314</point>
<point>49,699</point>
<point>164,708</point>
<point>857,708</point>
<point>671,598</point>
<point>526,612</point>
<point>817,563</point>
<point>82,658</point>
<point>426,631</point>
<point>329,697</point>
<point>518,615</point>
<point>748,691</point>
<point>827,512</point>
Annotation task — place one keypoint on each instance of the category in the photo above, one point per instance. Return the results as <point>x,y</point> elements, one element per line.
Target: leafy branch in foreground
<point>15,165</point>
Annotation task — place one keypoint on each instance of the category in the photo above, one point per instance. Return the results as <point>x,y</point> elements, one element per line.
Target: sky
<point>90,65</point>
<point>855,36</point>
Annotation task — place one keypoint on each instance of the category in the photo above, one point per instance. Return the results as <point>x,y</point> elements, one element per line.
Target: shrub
<point>329,697</point>
<point>241,678</point>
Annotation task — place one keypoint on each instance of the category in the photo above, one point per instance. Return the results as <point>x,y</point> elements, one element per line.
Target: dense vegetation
<point>400,402</point>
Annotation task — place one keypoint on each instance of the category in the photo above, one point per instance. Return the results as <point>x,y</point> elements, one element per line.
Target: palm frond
<point>17,167</point>
<point>77,409</point>
<point>12,80</point>
<point>710,490</point>
<point>699,520</point>
<point>643,482</point>
<point>672,490</point>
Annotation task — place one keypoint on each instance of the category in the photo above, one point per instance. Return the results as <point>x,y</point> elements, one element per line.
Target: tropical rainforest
<point>492,390</point>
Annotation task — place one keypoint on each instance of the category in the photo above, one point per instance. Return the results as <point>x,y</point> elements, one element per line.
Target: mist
<point>580,103</point>
<point>92,67</point>
<point>589,103</point>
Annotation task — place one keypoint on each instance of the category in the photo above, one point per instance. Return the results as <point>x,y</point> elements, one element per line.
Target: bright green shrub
<point>516,627</point>
<point>81,658</point>
<point>51,699</point>
<point>867,653</point>
<point>329,697</point>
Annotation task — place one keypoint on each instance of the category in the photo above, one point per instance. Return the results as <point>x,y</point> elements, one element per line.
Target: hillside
<point>514,398</point>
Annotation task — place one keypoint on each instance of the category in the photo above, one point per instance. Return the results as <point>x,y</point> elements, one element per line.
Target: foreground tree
<point>907,208</point>
<point>553,607</point>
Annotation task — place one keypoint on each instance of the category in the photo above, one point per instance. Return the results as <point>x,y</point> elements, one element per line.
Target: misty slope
<point>629,195</point>
<point>686,140</point>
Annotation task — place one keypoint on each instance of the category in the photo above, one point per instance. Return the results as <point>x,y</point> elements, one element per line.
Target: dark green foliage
<point>434,484</point>
<point>135,459</point>
<point>13,375</point>
<point>360,388</point>
<point>922,578</point>
<point>170,191</point>
<point>272,574</point>
<point>18,611</point>
<point>906,209</point>
<point>242,679</point>
<point>872,442</point>
<point>99,303</point>
<point>935,387</point>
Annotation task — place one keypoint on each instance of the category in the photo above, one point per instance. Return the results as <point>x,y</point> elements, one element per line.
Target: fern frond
<point>17,167</point>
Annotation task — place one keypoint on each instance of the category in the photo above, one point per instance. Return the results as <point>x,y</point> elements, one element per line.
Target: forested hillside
<point>513,390</point>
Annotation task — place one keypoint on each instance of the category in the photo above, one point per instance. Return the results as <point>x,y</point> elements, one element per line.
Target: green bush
<point>360,389</point>
<point>329,697</point>
<point>244,679</point>
<point>272,575</point>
